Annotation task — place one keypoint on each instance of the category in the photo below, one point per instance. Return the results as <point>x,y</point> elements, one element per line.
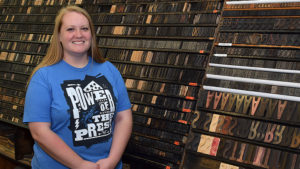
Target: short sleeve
<point>123,99</point>
<point>37,100</point>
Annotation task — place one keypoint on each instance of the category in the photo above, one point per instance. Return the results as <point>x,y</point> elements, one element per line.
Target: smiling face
<point>75,34</point>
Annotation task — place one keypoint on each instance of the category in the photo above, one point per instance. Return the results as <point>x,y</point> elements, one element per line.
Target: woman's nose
<point>78,33</point>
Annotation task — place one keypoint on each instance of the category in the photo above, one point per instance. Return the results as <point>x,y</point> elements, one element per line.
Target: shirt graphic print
<point>92,105</point>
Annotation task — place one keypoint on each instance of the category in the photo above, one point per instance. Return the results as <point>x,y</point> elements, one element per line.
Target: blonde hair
<point>55,51</point>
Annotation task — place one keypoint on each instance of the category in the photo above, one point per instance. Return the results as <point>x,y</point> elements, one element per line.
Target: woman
<point>76,106</point>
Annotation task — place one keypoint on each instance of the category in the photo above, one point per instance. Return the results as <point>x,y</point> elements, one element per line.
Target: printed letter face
<point>92,107</point>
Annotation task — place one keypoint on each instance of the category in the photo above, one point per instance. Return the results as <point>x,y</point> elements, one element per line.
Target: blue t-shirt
<point>81,105</point>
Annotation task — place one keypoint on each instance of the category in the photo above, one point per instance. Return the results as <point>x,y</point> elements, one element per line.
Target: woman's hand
<point>87,165</point>
<point>106,163</point>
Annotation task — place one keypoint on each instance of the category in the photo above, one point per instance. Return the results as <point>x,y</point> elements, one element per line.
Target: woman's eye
<point>70,29</point>
<point>85,28</point>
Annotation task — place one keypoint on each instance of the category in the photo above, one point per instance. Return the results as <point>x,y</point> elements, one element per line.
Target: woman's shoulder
<point>46,70</point>
<point>107,65</point>
<point>52,67</point>
<point>111,67</point>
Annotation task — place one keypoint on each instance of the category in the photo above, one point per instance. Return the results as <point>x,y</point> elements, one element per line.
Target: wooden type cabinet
<point>248,114</point>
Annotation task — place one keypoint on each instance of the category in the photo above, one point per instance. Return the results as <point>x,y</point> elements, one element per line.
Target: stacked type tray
<point>161,49</point>
<point>248,112</point>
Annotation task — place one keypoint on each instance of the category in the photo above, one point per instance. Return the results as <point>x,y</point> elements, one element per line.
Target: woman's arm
<point>121,135</point>
<point>54,146</point>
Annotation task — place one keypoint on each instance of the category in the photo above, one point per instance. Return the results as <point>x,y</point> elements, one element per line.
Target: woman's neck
<point>77,61</point>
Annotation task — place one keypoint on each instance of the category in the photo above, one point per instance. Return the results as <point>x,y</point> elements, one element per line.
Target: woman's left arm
<point>121,135</point>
